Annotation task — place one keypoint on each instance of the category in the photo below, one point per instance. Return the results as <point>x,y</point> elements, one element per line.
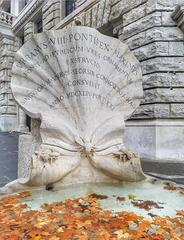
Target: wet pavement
<point>9,160</point>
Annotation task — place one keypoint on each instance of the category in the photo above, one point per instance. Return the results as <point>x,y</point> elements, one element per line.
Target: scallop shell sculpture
<point>82,85</point>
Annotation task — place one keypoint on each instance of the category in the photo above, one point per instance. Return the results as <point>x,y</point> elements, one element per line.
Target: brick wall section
<point>158,43</point>
<point>8,48</point>
<point>51,14</point>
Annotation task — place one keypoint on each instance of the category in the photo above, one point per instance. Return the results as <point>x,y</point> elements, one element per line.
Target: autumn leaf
<point>131,196</point>
<point>84,219</point>
<point>121,199</point>
<point>25,194</point>
<point>170,187</point>
<point>180,213</point>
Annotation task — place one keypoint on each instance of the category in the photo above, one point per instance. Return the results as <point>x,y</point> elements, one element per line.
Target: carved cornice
<point>178,16</point>
<point>26,14</point>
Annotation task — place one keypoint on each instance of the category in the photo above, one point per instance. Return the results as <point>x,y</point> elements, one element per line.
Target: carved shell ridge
<point>82,85</point>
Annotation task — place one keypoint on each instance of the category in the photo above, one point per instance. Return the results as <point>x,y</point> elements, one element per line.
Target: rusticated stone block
<point>8,109</point>
<point>167,19</point>
<point>164,95</point>
<point>176,48</point>
<point>49,4</point>
<point>168,4</point>
<point>167,64</point>
<point>28,31</point>
<point>2,97</point>
<point>151,20</point>
<point>169,80</point>
<point>122,7</point>
<point>152,111</point>
<point>153,49</point>
<point>134,14</point>
<point>51,14</point>
<point>153,34</point>
<point>177,110</point>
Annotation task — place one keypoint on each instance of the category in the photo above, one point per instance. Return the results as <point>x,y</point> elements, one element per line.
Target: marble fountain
<point>83,85</point>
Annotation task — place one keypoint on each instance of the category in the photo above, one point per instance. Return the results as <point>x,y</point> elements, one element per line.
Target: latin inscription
<point>82,76</point>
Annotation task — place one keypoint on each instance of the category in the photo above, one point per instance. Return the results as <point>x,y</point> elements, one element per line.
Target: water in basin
<point>169,201</point>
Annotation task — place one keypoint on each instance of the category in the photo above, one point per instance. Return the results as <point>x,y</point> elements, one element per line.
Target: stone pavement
<point>170,171</point>
<point>9,156</point>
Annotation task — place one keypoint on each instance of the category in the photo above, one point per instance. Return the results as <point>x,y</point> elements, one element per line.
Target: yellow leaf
<point>131,196</point>
<point>121,235</point>
<point>36,238</point>
<point>60,229</point>
<point>54,238</point>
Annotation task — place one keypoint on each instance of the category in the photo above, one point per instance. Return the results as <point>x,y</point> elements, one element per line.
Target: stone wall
<point>28,30</point>
<point>147,27</point>
<point>51,14</point>
<point>8,109</point>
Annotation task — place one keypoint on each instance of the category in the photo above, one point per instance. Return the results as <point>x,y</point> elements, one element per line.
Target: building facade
<point>153,30</point>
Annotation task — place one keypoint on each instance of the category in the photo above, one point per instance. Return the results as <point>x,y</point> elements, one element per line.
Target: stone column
<point>15,6</point>
<point>8,114</point>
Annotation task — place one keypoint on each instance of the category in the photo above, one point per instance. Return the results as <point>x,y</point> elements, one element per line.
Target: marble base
<point>156,140</point>
<point>27,146</point>
<point>8,123</point>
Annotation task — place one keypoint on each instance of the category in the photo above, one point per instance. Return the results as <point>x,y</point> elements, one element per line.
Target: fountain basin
<point>149,209</point>
<point>169,201</point>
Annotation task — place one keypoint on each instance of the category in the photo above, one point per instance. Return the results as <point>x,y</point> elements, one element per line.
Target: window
<point>8,10</point>
<point>22,4</point>
<point>70,6</point>
<point>39,26</point>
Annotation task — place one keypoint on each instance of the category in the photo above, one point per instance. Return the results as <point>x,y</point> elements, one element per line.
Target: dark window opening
<point>8,9</point>
<point>70,6</point>
<point>39,26</point>
<point>22,40</point>
<point>28,122</point>
<point>115,36</point>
